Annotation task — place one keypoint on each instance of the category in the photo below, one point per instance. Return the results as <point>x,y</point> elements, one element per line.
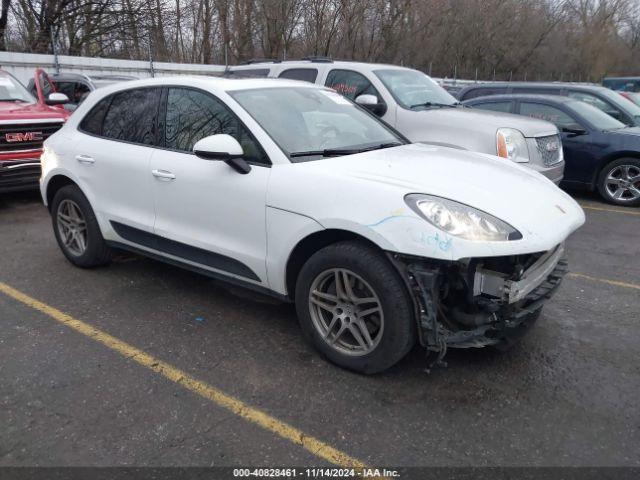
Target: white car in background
<point>423,111</point>
<point>292,190</point>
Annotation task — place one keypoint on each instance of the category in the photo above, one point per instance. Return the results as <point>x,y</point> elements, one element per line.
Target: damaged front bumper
<point>481,301</point>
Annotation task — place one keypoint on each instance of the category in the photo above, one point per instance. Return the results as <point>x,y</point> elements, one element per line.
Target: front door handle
<point>85,159</point>
<point>163,174</point>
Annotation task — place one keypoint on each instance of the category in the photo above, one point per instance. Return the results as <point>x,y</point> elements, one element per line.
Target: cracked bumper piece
<point>481,301</point>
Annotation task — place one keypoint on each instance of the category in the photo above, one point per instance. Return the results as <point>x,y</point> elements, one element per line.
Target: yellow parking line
<point>616,210</point>
<point>604,280</point>
<point>219,398</point>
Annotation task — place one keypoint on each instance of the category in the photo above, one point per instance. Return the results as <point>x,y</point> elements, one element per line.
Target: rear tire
<point>619,182</point>
<point>76,229</point>
<point>366,321</point>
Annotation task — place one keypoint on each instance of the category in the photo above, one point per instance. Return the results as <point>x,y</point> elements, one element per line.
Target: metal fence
<point>22,66</point>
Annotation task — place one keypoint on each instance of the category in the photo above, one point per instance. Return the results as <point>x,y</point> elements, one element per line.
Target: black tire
<point>399,329</point>
<point>618,166</point>
<point>97,252</point>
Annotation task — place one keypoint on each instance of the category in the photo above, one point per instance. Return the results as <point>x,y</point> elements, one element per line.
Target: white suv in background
<point>423,111</point>
<point>292,190</point>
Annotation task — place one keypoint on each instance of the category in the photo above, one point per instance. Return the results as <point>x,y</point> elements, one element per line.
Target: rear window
<point>250,72</point>
<point>304,74</point>
<point>494,106</point>
<point>481,92</point>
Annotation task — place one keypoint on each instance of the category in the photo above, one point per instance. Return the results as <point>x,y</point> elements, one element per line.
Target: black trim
<point>215,275</point>
<point>182,250</point>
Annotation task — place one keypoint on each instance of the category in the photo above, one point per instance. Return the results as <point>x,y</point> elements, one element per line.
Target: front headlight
<point>461,220</point>
<point>511,144</point>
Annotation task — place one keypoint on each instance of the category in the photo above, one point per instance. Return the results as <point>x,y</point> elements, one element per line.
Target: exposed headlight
<point>461,220</point>
<point>511,144</point>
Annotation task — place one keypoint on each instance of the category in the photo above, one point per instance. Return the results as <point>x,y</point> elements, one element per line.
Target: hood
<point>472,119</point>
<point>30,111</point>
<point>369,189</point>
<point>632,131</point>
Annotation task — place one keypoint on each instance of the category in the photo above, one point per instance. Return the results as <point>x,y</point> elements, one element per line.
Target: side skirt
<point>203,271</point>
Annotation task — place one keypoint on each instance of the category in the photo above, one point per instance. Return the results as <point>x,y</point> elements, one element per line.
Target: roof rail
<point>260,60</point>
<point>318,59</point>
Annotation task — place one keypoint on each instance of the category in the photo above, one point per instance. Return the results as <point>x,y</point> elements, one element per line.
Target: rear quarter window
<point>132,116</point>
<point>92,122</point>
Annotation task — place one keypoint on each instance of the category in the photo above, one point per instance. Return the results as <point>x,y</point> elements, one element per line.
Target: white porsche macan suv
<point>291,189</point>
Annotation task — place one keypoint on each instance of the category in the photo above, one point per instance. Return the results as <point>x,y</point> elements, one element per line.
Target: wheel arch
<point>54,184</point>
<point>612,157</point>
<point>311,244</point>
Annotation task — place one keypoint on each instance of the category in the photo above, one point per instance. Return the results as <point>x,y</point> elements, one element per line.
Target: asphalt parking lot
<point>218,358</point>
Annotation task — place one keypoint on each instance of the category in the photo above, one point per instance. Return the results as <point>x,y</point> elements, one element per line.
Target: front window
<point>309,123</point>
<point>414,90</point>
<point>12,91</point>
<point>596,117</point>
<point>548,113</point>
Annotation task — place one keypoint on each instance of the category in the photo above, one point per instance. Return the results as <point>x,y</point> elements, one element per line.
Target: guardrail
<point>22,66</point>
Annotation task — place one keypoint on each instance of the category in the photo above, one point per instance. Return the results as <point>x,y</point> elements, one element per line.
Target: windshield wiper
<point>337,152</point>
<point>12,100</point>
<point>434,104</point>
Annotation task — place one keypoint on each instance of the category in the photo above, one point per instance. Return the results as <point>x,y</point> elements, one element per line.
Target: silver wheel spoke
<point>338,334</point>
<point>361,326</point>
<point>323,305</point>
<point>369,311</point>
<point>355,331</point>
<point>618,193</point>
<point>340,287</point>
<point>334,320</point>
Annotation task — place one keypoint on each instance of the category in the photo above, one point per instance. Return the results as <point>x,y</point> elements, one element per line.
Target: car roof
<point>308,63</point>
<point>549,85</point>
<point>220,83</point>
<point>523,96</point>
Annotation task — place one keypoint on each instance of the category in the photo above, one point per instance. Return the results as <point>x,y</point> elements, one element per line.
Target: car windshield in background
<point>308,123</point>
<point>597,118</point>
<point>12,91</point>
<point>617,99</point>
<point>414,90</point>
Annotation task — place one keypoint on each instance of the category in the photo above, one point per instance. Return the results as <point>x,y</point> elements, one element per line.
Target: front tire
<point>619,182</point>
<point>76,229</point>
<point>354,308</point>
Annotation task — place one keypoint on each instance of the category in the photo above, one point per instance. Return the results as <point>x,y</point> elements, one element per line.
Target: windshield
<point>617,100</point>
<point>596,117</point>
<point>414,89</point>
<point>312,122</point>
<point>12,90</point>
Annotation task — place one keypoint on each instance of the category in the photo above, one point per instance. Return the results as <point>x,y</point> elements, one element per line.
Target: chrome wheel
<point>72,227</point>
<point>346,311</point>
<point>622,183</point>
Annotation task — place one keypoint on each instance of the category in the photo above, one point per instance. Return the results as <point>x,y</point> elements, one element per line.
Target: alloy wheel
<point>622,183</point>
<point>346,311</point>
<point>72,227</point>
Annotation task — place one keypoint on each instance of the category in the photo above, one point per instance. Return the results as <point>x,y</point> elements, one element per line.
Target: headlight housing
<point>511,144</point>
<point>461,220</point>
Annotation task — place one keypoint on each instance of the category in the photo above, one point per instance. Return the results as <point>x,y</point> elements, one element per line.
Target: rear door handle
<point>85,159</point>
<point>163,174</point>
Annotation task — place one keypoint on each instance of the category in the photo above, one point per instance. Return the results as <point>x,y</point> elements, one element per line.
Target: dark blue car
<point>599,151</point>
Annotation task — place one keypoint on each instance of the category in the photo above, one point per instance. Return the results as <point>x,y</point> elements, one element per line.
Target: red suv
<point>25,122</point>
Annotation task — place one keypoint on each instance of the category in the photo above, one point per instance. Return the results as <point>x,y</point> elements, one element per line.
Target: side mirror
<point>574,130</point>
<point>222,147</point>
<point>57,98</point>
<point>370,102</point>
